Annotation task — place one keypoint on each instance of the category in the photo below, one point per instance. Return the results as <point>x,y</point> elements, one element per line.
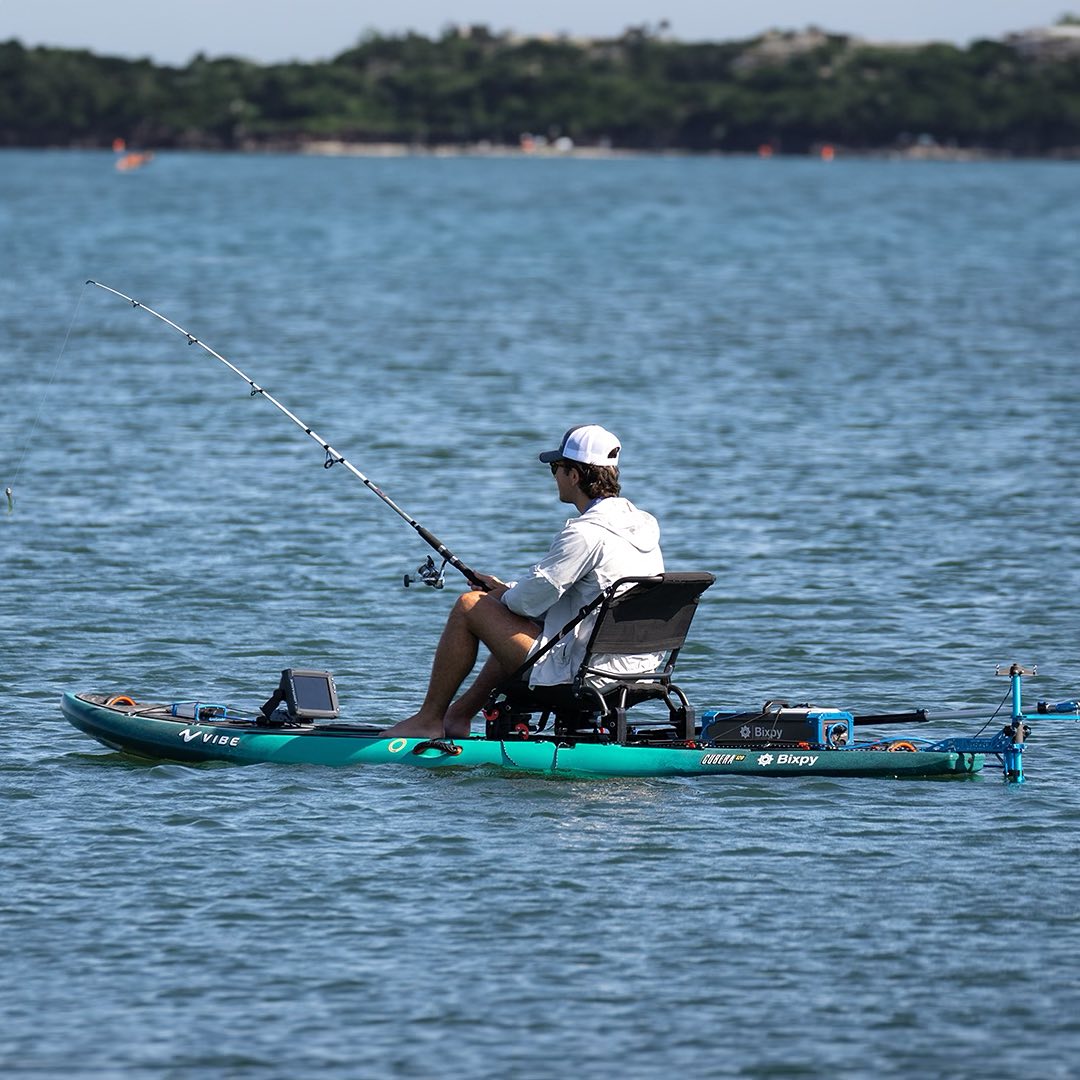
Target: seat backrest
<point>635,615</point>
<point>648,614</point>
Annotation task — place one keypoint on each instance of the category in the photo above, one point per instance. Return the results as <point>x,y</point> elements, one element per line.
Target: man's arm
<point>569,559</point>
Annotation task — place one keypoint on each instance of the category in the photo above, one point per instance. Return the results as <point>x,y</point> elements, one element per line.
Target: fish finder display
<point>312,692</point>
<point>310,695</point>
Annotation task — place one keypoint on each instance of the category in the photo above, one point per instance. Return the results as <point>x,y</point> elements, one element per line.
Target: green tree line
<point>638,91</point>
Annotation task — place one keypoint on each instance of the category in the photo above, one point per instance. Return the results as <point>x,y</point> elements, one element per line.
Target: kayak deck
<point>211,733</point>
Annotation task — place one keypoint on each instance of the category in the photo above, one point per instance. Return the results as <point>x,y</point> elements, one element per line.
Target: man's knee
<point>467,601</point>
<point>487,616</point>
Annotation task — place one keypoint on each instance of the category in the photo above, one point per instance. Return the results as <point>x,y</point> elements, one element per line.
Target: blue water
<point>849,390</point>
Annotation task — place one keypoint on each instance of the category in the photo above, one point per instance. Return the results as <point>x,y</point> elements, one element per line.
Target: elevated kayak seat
<point>635,616</point>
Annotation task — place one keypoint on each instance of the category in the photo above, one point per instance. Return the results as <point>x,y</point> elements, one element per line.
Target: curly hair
<point>597,481</point>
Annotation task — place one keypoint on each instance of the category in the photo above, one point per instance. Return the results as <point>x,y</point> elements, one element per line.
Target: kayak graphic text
<point>210,737</point>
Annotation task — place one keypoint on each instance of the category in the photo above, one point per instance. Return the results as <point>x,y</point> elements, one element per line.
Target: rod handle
<point>430,538</point>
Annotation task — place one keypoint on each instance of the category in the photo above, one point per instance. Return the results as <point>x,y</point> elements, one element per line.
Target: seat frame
<point>634,615</point>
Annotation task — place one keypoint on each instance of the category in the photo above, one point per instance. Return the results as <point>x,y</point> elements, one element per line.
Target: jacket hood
<point>621,517</point>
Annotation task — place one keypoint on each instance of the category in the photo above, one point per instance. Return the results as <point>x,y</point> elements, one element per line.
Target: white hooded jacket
<point>610,540</point>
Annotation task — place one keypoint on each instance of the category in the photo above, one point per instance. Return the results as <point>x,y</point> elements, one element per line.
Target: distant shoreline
<point>334,148</point>
<point>340,148</point>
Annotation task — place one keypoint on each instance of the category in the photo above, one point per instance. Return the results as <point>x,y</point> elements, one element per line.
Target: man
<point>610,539</point>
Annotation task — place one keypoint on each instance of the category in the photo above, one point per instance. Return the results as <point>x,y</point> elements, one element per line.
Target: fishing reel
<point>427,573</point>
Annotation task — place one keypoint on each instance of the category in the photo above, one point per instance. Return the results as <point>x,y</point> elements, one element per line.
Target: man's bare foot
<point>457,723</point>
<point>415,727</point>
<point>457,729</point>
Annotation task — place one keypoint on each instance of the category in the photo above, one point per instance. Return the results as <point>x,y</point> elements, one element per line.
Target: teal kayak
<point>209,733</point>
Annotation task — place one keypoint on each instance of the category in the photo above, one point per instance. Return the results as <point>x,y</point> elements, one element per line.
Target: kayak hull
<point>148,731</point>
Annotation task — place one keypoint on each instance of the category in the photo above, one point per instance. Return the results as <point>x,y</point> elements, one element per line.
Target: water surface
<point>850,391</point>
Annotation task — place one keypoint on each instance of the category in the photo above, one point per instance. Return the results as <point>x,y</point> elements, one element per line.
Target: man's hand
<point>495,587</point>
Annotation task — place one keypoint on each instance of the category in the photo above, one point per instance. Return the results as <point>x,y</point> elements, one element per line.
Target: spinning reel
<point>427,573</point>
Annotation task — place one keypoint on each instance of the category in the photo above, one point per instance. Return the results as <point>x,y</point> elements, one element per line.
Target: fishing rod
<point>428,573</point>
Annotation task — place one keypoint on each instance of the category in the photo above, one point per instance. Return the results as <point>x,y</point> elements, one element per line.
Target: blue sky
<point>270,30</point>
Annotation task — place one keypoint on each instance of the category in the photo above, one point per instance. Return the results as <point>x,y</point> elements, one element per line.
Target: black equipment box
<point>783,726</point>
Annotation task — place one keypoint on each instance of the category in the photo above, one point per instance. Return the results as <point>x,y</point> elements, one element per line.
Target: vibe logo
<point>210,737</point>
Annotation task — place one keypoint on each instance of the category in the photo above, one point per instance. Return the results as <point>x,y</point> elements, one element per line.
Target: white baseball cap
<point>590,444</point>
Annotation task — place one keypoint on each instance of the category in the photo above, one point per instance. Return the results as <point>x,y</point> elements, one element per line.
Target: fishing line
<point>9,491</point>
<point>428,574</point>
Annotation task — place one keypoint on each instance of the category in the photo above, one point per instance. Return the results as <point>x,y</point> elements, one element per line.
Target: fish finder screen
<point>309,695</point>
<point>312,692</point>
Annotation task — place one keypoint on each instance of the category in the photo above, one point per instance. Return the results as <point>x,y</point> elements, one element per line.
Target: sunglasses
<point>557,465</point>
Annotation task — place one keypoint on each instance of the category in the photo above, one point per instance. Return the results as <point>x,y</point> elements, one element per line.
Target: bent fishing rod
<point>428,573</point>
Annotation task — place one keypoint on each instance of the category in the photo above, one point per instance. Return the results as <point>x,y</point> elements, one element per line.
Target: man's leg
<point>457,721</point>
<point>475,618</point>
